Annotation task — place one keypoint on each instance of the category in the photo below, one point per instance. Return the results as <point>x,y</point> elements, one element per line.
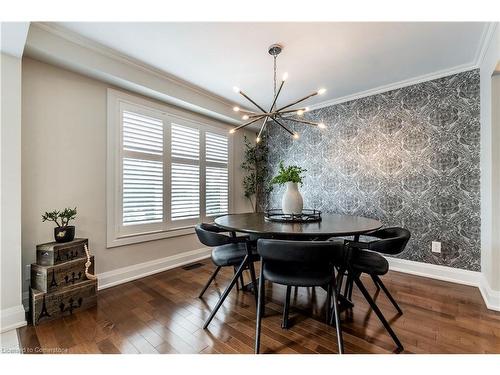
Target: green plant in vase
<point>62,232</point>
<point>291,176</point>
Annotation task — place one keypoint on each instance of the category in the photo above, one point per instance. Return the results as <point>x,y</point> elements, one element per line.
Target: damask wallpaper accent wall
<point>408,157</point>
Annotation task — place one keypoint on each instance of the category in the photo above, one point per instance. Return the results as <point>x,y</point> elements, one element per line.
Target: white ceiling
<point>345,58</point>
<point>13,37</point>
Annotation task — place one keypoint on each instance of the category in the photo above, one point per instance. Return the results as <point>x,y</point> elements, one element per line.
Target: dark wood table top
<point>331,225</point>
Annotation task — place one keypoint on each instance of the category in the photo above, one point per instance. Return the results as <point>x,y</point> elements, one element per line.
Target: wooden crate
<point>52,253</point>
<point>49,306</point>
<point>52,278</point>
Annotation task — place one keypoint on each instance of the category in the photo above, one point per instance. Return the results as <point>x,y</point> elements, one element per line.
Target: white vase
<point>292,202</point>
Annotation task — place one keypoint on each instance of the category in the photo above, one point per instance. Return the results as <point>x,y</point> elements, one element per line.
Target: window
<point>166,171</point>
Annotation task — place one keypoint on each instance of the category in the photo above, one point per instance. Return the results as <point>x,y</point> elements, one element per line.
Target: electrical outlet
<point>436,247</point>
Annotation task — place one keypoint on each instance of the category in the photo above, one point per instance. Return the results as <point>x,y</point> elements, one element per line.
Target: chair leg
<point>375,308</point>
<point>349,293</point>
<point>209,281</point>
<point>237,284</point>
<point>347,286</point>
<point>336,316</point>
<point>379,282</point>
<point>254,281</point>
<point>340,278</point>
<point>286,308</point>
<point>328,303</point>
<point>260,308</point>
<point>242,281</point>
<point>226,292</point>
<point>374,278</point>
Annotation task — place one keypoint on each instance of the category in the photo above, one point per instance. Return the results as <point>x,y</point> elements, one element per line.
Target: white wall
<point>494,269</point>
<point>12,313</point>
<point>490,163</point>
<point>64,164</point>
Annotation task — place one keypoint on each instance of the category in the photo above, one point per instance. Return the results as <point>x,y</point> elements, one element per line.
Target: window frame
<point>120,235</point>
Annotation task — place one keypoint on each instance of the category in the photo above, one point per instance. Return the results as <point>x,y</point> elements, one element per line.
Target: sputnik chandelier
<point>274,114</point>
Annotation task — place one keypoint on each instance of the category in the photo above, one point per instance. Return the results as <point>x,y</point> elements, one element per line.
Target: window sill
<point>146,237</point>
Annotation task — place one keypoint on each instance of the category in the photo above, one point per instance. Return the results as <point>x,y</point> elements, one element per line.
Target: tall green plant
<point>255,166</point>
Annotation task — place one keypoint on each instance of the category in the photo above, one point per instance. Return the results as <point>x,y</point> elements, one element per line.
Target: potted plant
<point>63,232</point>
<point>292,202</point>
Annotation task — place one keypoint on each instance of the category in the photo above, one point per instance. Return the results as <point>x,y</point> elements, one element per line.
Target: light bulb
<point>285,76</point>
<point>236,89</point>
<point>231,131</point>
<point>300,112</point>
<point>321,91</point>
<point>236,109</point>
<point>245,117</point>
<point>296,136</point>
<point>306,109</point>
<point>257,139</point>
<point>321,125</point>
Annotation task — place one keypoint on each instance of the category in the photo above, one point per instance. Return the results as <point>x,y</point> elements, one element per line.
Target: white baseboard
<point>491,297</point>
<point>9,342</point>
<point>434,271</point>
<point>136,271</point>
<point>453,275</point>
<point>12,318</point>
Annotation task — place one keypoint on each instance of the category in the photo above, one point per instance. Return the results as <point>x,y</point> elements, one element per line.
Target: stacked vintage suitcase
<point>59,285</point>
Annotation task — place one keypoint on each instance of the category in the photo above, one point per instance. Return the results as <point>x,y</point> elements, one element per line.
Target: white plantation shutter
<point>142,191</point>
<point>216,175</point>
<point>142,169</point>
<point>216,148</point>
<point>165,171</point>
<point>142,133</point>
<point>185,173</point>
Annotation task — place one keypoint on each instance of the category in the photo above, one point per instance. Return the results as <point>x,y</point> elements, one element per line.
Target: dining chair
<point>303,264</point>
<point>364,257</point>
<point>227,251</point>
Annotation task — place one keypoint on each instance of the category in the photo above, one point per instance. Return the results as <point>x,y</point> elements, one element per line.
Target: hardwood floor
<point>162,314</point>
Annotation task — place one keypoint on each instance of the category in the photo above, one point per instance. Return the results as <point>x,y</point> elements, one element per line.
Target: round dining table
<point>331,225</point>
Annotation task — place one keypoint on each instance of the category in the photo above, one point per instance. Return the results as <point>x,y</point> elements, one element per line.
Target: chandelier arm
<point>251,101</point>
<point>283,126</point>
<point>249,113</point>
<point>262,114</point>
<point>301,121</point>
<point>297,101</point>
<point>293,110</point>
<point>262,127</point>
<point>248,123</point>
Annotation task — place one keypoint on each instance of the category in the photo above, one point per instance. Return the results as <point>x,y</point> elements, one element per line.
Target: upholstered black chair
<point>299,263</point>
<point>227,251</point>
<point>364,257</point>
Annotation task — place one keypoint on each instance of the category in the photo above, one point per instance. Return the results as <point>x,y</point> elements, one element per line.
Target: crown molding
<point>396,85</point>
<point>109,52</point>
<point>61,47</point>
<point>75,38</point>
<point>484,43</point>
